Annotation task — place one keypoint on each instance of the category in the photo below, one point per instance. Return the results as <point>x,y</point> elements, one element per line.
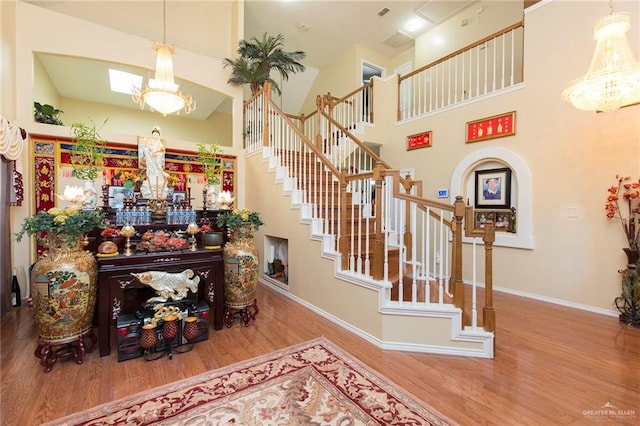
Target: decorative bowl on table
<point>161,241</point>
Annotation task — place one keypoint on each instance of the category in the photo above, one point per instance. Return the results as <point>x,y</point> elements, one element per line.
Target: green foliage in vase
<point>88,150</point>
<point>212,165</point>
<point>73,222</point>
<point>237,217</point>
<point>46,114</point>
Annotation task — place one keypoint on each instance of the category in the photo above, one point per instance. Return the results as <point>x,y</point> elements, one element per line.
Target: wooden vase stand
<point>247,314</point>
<point>50,352</point>
<point>628,303</point>
<point>152,354</point>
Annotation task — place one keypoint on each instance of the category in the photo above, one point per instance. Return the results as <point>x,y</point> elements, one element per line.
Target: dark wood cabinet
<point>119,292</point>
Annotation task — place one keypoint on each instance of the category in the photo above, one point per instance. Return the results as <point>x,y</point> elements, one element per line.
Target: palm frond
<point>256,59</point>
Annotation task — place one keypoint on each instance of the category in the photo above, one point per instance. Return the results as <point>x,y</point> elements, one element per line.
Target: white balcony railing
<point>488,66</point>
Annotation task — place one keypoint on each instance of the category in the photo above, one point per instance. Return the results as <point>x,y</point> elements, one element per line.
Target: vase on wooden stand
<point>628,303</point>
<point>240,275</point>
<point>64,296</point>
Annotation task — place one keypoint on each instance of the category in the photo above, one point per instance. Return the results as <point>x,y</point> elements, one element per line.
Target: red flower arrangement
<point>160,241</point>
<point>110,232</point>
<point>626,193</point>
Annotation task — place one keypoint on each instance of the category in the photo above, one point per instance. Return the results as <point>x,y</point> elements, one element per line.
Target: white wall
<point>573,157</point>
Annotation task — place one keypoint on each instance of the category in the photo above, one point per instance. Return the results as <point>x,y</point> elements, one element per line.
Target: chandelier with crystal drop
<point>613,79</point>
<point>162,94</point>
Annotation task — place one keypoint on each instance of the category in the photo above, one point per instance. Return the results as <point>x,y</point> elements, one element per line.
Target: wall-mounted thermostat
<point>443,193</point>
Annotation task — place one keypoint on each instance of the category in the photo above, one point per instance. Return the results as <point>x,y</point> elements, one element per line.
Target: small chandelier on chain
<point>613,79</point>
<point>162,94</point>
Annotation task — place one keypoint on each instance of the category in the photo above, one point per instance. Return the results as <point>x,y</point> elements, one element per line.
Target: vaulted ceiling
<point>321,28</point>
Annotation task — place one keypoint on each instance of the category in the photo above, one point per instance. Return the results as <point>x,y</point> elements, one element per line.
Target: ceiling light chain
<point>161,93</point>
<point>164,22</point>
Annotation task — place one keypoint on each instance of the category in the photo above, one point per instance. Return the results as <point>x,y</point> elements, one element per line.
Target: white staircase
<point>435,327</point>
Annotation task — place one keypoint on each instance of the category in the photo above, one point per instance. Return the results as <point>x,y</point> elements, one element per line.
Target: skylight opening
<point>414,24</point>
<point>123,82</point>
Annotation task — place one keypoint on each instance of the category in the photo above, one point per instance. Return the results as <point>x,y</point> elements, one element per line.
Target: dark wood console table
<point>119,292</point>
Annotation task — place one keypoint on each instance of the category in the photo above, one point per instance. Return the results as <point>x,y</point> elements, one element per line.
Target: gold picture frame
<point>504,220</point>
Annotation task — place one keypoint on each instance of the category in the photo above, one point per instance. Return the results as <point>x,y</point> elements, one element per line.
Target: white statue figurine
<point>151,158</point>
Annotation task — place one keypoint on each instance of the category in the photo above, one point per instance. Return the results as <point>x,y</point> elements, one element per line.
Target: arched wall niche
<point>463,180</point>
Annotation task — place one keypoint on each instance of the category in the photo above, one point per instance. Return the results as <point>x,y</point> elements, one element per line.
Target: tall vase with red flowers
<point>623,203</point>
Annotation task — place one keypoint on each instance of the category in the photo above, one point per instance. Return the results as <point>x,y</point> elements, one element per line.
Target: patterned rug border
<point>374,377</point>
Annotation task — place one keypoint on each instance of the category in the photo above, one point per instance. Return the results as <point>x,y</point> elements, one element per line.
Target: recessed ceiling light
<point>123,82</point>
<point>414,24</point>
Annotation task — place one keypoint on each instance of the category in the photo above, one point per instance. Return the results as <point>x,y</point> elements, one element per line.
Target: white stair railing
<point>384,210</point>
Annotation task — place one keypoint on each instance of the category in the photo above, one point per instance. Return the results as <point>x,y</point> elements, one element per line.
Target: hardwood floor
<point>553,366</point>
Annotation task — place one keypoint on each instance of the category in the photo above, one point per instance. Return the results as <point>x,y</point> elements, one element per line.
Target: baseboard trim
<point>559,302</point>
<point>485,352</point>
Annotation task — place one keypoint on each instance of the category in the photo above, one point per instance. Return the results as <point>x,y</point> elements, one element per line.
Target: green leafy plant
<point>256,59</point>
<point>46,114</point>
<point>88,150</point>
<point>212,166</point>
<point>237,217</point>
<point>72,221</point>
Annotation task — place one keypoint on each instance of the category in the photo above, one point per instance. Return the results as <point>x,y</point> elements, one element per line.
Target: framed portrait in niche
<point>493,188</point>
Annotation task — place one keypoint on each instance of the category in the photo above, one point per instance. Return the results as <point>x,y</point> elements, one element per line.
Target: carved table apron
<point>115,280</point>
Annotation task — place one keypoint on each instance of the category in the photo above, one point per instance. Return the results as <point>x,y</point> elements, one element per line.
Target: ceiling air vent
<point>383,11</point>
<point>399,39</point>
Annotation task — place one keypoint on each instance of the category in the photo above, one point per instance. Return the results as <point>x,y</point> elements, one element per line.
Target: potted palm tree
<point>256,58</point>
<point>87,154</point>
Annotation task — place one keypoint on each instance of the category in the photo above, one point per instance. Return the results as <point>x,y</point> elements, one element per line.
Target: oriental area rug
<point>314,383</point>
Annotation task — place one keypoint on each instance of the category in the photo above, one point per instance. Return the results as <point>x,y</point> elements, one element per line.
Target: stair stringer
<point>468,341</point>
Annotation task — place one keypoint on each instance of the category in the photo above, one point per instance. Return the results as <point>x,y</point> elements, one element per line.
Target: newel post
<point>330,137</point>
<point>377,255</point>
<point>408,184</point>
<point>456,254</point>
<point>343,239</point>
<point>488,314</point>
<point>267,101</point>
<point>319,106</point>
